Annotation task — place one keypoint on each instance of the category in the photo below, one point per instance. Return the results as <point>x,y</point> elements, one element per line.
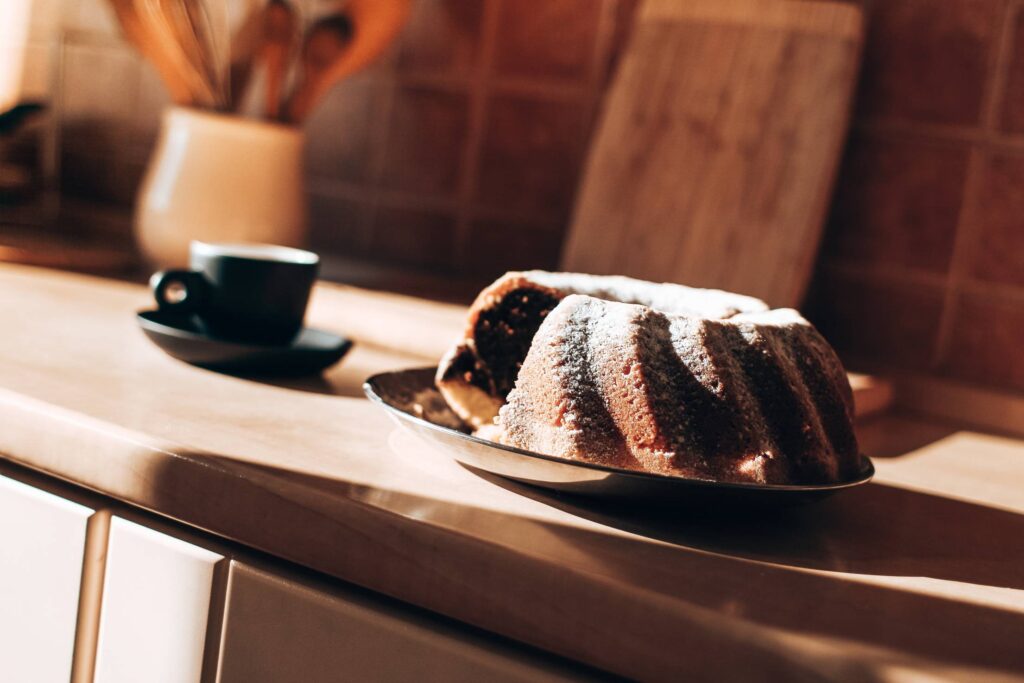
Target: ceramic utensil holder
<point>218,178</point>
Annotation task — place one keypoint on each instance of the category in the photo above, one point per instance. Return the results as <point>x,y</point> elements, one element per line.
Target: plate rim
<point>867,471</point>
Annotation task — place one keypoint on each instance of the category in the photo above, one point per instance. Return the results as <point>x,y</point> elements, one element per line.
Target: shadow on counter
<point>874,529</point>
<point>698,561</point>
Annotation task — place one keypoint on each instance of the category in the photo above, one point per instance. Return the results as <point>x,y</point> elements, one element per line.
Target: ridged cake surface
<point>477,374</point>
<point>756,397</point>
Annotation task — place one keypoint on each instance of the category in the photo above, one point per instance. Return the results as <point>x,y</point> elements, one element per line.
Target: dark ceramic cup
<point>254,293</point>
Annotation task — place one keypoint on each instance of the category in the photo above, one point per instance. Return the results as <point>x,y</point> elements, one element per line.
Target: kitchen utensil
<point>140,33</point>
<point>410,397</point>
<point>182,337</point>
<point>339,45</point>
<point>209,23</point>
<point>213,23</point>
<point>716,152</point>
<point>244,46</point>
<point>325,45</point>
<point>255,293</point>
<point>280,26</point>
<point>163,39</point>
<point>188,22</point>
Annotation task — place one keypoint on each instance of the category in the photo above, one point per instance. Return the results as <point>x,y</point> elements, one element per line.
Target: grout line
<point>1001,142</point>
<point>999,68</point>
<point>529,86</point>
<point>1014,293</point>
<point>967,224</point>
<point>887,274</point>
<point>595,80</point>
<point>471,151</point>
<point>958,258</point>
<point>942,135</point>
<point>386,81</point>
<point>602,47</point>
<point>340,189</point>
<point>540,89</point>
<point>589,117</point>
<point>920,131</point>
<point>533,219</point>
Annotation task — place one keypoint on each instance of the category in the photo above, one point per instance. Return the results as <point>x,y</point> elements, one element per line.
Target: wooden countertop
<point>920,571</point>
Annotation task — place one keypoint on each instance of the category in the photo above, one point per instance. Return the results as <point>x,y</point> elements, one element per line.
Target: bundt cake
<point>477,374</point>
<point>754,397</point>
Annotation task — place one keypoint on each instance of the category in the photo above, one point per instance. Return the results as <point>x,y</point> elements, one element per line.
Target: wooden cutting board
<point>715,156</point>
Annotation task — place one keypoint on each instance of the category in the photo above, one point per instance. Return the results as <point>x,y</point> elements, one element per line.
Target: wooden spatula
<point>374,25</point>
<point>188,23</point>
<point>245,44</point>
<point>138,31</point>
<point>715,155</point>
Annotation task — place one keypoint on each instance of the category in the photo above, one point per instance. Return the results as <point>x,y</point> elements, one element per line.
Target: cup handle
<point>193,284</point>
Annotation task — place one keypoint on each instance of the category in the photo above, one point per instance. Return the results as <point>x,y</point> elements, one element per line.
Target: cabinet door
<point>156,604</point>
<point>42,545</point>
<point>278,629</point>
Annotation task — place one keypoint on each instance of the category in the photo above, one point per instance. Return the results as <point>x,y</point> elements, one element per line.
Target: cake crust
<point>477,374</point>
<point>756,398</point>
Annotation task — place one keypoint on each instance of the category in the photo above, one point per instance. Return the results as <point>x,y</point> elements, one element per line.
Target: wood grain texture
<point>718,145</point>
<point>918,572</point>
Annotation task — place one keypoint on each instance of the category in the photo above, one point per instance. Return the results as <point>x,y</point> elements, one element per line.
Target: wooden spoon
<point>161,39</point>
<point>189,25</point>
<point>139,34</point>
<point>330,53</point>
<point>214,25</point>
<point>211,29</point>
<point>279,37</point>
<point>325,45</point>
<point>245,44</point>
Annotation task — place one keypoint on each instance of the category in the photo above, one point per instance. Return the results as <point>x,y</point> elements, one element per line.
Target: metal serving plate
<point>411,399</point>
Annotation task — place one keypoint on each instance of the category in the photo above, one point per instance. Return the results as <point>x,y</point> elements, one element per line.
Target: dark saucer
<point>181,337</point>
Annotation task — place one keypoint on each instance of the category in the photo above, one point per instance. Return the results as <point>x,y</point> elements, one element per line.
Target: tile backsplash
<point>461,152</point>
<point>922,267</point>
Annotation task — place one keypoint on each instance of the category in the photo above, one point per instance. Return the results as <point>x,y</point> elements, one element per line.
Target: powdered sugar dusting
<point>663,296</point>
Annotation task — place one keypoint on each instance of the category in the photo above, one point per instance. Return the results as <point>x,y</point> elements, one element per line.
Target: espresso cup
<point>255,293</point>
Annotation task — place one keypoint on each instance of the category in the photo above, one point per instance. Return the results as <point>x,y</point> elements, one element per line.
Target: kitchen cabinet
<point>281,629</point>
<point>42,546</point>
<point>100,592</point>
<point>156,607</point>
